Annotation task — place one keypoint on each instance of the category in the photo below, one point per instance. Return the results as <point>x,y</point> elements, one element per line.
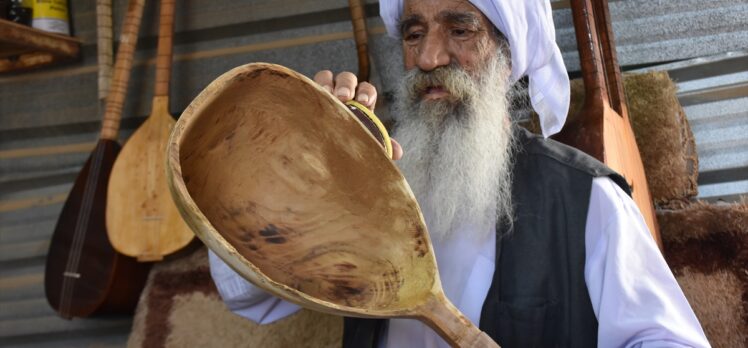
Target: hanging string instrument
<point>84,275</point>
<point>602,127</point>
<point>278,178</point>
<point>142,220</point>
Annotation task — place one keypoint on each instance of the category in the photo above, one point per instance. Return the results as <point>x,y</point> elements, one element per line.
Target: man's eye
<point>461,32</point>
<point>413,36</point>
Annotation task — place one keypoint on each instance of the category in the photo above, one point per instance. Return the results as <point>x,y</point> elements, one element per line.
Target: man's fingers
<point>367,95</point>
<point>345,85</point>
<point>397,150</point>
<point>324,79</point>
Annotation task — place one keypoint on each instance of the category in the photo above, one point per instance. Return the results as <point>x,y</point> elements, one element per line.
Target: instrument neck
<point>121,77</point>
<point>165,44</point>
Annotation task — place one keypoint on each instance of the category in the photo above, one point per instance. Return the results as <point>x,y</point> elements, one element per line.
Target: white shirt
<point>635,297</point>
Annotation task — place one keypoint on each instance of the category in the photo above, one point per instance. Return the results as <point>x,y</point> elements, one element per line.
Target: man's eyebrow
<point>410,21</point>
<point>465,18</point>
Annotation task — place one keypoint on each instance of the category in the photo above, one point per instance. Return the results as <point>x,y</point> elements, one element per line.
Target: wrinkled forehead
<point>441,10</point>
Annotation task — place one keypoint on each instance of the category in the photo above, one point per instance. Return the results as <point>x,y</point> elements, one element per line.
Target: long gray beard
<point>458,152</point>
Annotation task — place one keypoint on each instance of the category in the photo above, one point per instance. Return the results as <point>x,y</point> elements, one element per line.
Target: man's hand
<point>344,85</point>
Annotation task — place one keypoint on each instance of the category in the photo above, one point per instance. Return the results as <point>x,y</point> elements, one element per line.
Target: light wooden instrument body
<point>142,220</point>
<point>278,178</point>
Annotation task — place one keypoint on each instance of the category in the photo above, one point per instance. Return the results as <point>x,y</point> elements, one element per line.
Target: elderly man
<point>538,244</point>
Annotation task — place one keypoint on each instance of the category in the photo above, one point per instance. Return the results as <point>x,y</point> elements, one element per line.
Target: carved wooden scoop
<point>280,180</point>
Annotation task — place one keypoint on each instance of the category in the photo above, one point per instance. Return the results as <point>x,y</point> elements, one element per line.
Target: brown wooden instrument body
<point>142,220</point>
<point>302,201</point>
<point>602,128</point>
<point>84,275</point>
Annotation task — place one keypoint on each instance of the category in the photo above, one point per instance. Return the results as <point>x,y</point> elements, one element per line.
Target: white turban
<point>528,26</point>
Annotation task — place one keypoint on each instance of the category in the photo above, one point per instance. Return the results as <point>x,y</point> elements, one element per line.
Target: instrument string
<point>81,227</point>
<point>110,126</point>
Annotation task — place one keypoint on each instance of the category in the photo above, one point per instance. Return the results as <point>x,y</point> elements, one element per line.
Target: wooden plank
<point>28,61</point>
<point>30,40</point>
<point>24,48</point>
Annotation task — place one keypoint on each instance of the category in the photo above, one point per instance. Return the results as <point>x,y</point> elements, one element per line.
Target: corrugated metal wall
<point>49,119</point>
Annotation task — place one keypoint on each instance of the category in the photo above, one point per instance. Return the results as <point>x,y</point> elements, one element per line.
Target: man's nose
<point>433,53</point>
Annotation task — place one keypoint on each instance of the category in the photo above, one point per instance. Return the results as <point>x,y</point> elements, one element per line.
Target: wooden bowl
<point>282,182</point>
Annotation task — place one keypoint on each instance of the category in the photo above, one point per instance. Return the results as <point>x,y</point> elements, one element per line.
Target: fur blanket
<point>706,246</point>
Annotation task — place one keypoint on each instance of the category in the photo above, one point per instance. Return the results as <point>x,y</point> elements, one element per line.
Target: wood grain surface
<point>602,128</point>
<point>278,178</point>
<point>142,220</point>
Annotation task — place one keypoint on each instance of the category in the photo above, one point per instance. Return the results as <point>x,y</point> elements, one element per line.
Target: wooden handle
<point>593,72</point>
<point>442,316</point>
<point>164,53</point>
<point>480,341</point>
<point>104,45</point>
<point>609,59</point>
<point>123,64</point>
<point>597,54</point>
<point>360,35</point>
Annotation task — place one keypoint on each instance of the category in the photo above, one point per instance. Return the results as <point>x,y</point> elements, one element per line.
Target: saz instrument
<point>280,180</point>
<point>84,275</point>
<point>602,127</point>
<point>361,37</point>
<point>142,220</point>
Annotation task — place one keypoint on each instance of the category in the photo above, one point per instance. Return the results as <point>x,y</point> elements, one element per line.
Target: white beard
<point>458,152</point>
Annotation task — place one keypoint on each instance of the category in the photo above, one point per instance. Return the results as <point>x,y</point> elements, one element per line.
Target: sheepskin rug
<point>706,246</point>
<point>180,307</point>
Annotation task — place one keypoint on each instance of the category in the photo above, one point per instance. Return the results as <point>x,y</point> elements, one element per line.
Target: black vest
<point>538,297</point>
